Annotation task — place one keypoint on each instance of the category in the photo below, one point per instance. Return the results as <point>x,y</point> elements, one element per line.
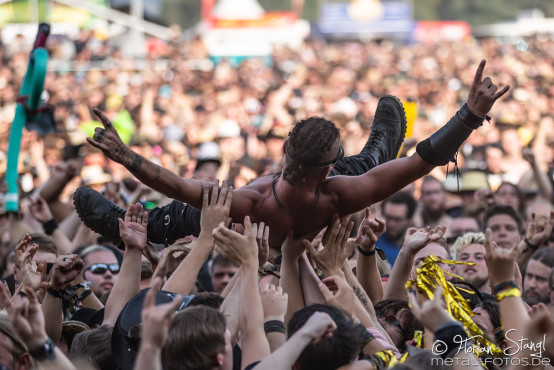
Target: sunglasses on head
<point>101,268</point>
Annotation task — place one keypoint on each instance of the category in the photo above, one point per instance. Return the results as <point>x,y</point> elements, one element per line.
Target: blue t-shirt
<point>390,248</point>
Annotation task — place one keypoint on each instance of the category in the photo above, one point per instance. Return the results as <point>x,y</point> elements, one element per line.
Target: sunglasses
<point>101,268</point>
<point>392,321</point>
<point>339,156</point>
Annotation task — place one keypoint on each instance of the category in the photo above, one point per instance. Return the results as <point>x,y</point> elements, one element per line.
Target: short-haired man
<point>101,267</point>
<point>535,280</point>
<point>397,211</point>
<point>198,339</point>
<point>222,271</point>
<point>459,226</point>
<point>433,205</point>
<point>505,224</point>
<point>471,248</point>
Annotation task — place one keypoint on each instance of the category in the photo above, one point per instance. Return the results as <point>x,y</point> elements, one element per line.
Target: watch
<point>85,285</point>
<point>45,351</point>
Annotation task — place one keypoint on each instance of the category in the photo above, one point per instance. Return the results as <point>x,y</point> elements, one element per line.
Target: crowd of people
<point>417,270</point>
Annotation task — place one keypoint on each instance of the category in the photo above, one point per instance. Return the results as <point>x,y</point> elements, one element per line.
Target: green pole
<point>30,92</point>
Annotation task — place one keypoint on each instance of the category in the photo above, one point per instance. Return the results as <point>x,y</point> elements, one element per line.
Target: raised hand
<point>431,312</point>
<point>320,326</point>
<point>293,248</point>
<point>369,231</point>
<point>215,206</point>
<point>262,239</point>
<point>107,139</point>
<point>173,256</point>
<point>274,302</point>
<point>40,210</point>
<point>500,262</point>
<point>156,320</point>
<point>334,252</point>
<point>237,248</point>
<point>133,230</point>
<point>416,239</point>
<point>483,93</point>
<point>65,270</point>
<point>28,320</point>
<point>338,293</point>
<point>539,229</point>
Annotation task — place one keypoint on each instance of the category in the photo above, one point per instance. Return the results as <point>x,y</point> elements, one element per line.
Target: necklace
<point>281,205</point>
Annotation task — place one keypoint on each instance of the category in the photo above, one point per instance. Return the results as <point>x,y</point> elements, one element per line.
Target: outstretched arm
<point>158,178</point>
<point>384,180</point>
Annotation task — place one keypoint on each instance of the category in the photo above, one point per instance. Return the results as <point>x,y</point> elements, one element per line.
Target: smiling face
<point>478,274</point>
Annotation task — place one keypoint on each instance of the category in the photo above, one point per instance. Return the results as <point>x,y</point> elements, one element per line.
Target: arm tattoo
<point>360,294</point>
<point>156,176</point>
<point>137,162</point>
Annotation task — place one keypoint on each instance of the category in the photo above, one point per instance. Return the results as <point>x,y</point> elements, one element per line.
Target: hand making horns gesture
<point>483,93</point>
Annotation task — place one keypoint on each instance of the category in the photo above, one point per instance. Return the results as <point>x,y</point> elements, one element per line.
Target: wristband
<point>366,336</point>
<point>366,253</point>
<point>84,295</point>
<point>274,326</point>
<point>512,292</point>
<point>531,245</point>
<point>46,351</point>
<point>379,252</point>
<point>50,226</point>
<point>500,287</point>
<point>55,292</point>
<point>85,285</point>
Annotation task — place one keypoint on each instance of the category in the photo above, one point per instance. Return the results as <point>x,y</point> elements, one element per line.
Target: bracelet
<point>531,245</point>
<point>318,272</point>
<point>379,252</point>
<point>366,253</point>
<point>512,292</point>
<point>366,336</point>
<point>262,271</point>
<point>50,226</point>
<point>55,292</point>
<point>46,351</point>
<point>84,295</point>
<point>85,285</point>
<point>274,326</point>
<point>500,287</point>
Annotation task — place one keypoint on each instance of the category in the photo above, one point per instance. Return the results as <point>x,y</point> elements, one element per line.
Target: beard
<point>479,282</point>
<point>535,299</point>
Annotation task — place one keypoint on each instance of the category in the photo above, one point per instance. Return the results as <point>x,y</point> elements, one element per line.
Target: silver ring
<point>65,258</point>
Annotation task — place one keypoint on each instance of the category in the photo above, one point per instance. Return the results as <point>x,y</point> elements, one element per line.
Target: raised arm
<point>107,139</point>
<point>356,192</point>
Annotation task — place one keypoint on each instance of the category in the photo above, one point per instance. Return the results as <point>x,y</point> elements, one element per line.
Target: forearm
<point>58,362</point>
<point>285,357</point>
<point>290,282</point>
<point>184,277</point>
<point>365,302</point>
<point>231,307</point>
<point>524,256</point>
<point>543,182</point>
<point>160,179</point>
<point>396,286</point>
<point>369,278</point>
<point>254,343</point>
<point>53,317</point>
<point>310,283</point>
<point>149,357</point>
<point>70,225</point>
<point>53,187</point>
<point>126,286</point>
<point>62,242</point>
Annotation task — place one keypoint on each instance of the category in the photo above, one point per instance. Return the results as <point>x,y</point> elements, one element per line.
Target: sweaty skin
<point>340,195</point>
